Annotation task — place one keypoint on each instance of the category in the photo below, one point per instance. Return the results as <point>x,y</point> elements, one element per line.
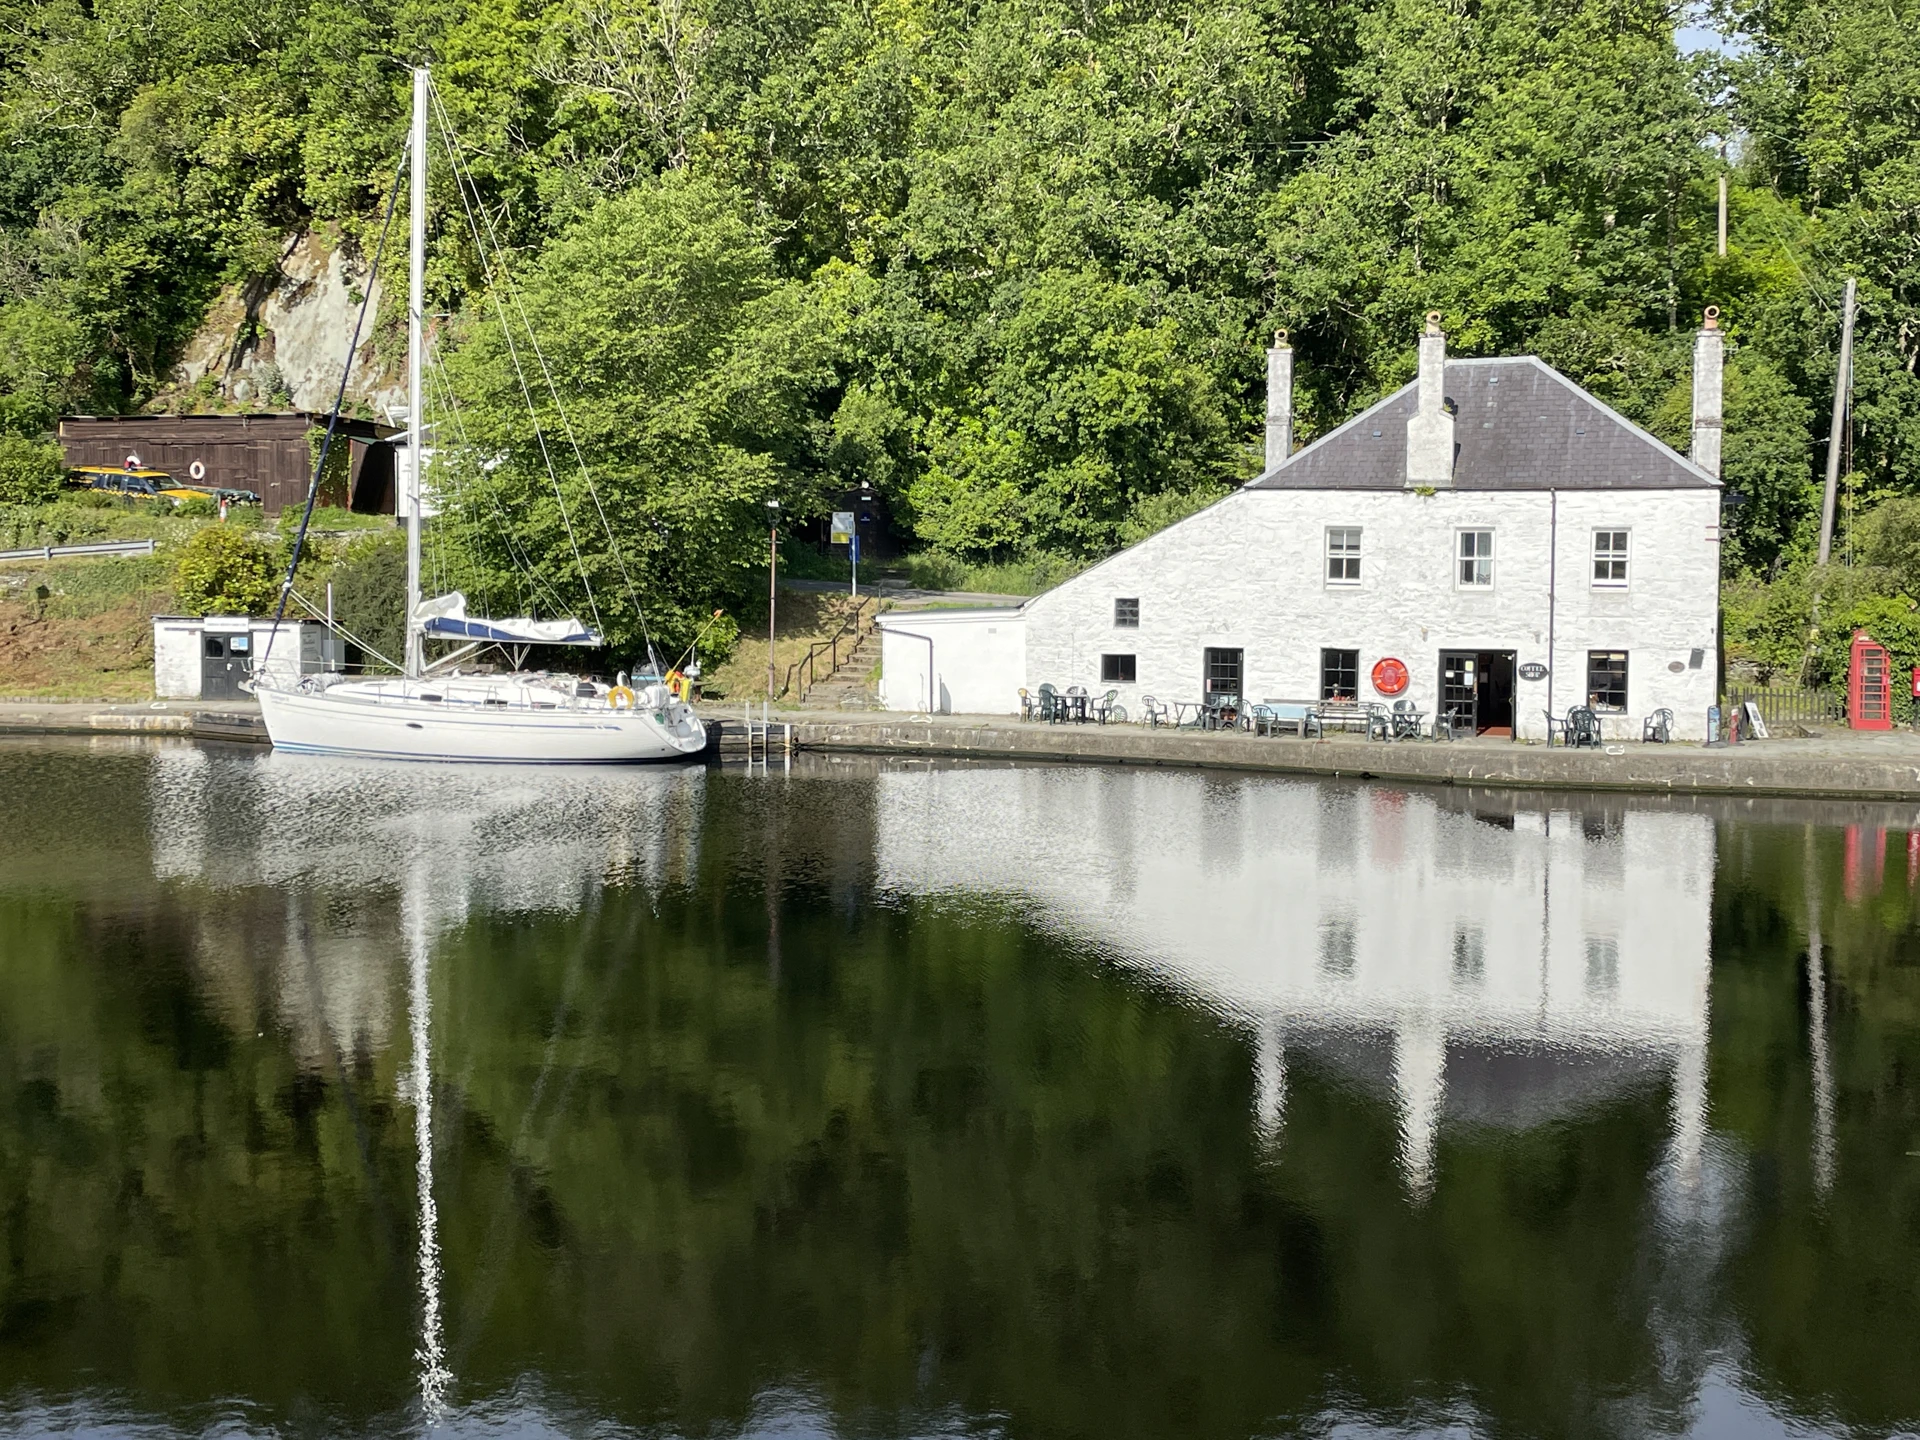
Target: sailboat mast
<point>416,356</point>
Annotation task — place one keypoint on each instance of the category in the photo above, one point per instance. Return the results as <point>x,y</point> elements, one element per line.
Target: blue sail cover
<point>445,618</point>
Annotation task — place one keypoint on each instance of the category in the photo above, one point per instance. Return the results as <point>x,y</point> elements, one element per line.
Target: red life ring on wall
<point>1389,676</point>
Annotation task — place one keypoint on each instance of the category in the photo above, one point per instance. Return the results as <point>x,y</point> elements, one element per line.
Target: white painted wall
<point>301,648</point>
<point>978,659</point>
<point>176,657</point>
<point>1249,574</point>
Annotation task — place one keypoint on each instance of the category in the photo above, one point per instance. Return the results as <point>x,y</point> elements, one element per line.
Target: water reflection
<point>1504,964</point>
<point>885,1100</point>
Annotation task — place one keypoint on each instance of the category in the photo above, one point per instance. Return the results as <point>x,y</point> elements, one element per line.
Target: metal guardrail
<point>1780,705</point>
<point>61,552</point>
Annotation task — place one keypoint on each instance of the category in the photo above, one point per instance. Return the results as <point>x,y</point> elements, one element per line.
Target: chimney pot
<point>1279,400</point>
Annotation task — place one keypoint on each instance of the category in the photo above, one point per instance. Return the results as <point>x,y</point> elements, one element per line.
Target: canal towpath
<point>1835,763</point>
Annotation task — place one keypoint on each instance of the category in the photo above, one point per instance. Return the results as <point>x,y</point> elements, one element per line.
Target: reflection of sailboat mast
<point>431,1355</point>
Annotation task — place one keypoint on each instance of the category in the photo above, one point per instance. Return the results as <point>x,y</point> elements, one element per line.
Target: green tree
<point>688,364</point>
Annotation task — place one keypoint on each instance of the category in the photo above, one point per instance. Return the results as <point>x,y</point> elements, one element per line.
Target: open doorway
<point>1476,690</point>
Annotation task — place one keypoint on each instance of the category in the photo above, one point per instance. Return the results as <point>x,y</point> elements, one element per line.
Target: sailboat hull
<point>348,720</point>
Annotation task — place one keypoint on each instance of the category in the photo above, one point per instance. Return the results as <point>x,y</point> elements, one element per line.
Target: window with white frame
<point>1610,558</point>
<point>1343,555</point>
<point>1476,558</point>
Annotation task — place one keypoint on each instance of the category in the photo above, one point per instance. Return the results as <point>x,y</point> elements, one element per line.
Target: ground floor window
<point>1339,674</point>
<point>1607,679</point>
<point>1116,669</point>
<point>1223,671</point>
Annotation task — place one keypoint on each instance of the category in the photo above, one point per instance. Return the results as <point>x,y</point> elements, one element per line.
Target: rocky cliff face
<point>279,342</point>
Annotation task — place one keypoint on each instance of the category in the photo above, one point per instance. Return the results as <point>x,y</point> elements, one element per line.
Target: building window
<point>1610,557</point>
<point>1343,555</point>
<point>1116,669</point>
<point>1476,557</point>
<point>1339,674</point>
<point>1607,680</point>
<point>1223,672</point>
<point>1126,614</point>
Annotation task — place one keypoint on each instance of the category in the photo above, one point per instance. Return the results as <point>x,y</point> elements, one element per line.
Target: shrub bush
<point>30,471</point>
<point>201,507</point>
<point>223,571</point>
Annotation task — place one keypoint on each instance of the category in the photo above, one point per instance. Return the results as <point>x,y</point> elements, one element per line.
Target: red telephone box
<point>1869,685</point>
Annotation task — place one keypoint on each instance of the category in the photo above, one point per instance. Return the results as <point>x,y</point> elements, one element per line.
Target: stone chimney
<point>1430,428</point>
<point>1709,388</point>
<point>1279,400</point>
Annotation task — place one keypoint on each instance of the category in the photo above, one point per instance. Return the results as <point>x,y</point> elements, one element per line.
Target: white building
<point>1485,525</point>
<point>205,657</point>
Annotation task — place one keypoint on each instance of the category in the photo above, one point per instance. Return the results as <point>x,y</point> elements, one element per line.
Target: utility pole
<point>1842,395</point>
<point>773,585</point>
<point>1723,216</point>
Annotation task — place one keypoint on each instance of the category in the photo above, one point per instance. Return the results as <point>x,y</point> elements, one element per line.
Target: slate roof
<point>1519,425</point>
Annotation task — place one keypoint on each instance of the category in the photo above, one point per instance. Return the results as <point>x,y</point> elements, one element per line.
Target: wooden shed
<point>272,455</point>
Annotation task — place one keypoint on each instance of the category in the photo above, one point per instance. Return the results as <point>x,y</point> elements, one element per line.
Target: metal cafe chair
<point>1555,726</point>
<point>1583,728</point>
<point>1028,705</point>
<point>1049,705</point>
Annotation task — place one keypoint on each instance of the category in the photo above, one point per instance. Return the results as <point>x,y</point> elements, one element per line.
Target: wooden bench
<point>1347,715</point>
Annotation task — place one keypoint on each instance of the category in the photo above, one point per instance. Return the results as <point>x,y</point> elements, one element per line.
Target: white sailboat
<point>424,715</point>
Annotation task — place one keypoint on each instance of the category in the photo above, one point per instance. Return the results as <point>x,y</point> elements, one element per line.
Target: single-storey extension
<point>1490,541</point>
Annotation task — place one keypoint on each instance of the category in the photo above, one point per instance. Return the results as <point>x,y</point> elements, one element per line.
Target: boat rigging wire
<point>532,588</point>
<point>513,353</point>
<point>462,179</point>
<point>333,417</point>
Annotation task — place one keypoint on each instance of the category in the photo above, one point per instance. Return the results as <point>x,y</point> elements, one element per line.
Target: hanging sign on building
<point>842,530</point>
<point>1533,670</point>
<point>1390,676</point>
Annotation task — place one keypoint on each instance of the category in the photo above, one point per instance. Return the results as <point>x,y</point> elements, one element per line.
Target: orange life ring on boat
<point>620,698</point>
<point>1389,676</point>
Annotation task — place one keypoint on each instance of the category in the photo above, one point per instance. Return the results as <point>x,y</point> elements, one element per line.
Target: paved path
<point>1837,764</point>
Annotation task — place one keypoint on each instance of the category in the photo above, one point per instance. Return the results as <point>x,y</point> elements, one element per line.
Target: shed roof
<point>1519,424</point>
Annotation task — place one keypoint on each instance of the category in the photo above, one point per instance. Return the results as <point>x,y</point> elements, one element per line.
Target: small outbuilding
<point>271,455</point>
<point>205,657</point>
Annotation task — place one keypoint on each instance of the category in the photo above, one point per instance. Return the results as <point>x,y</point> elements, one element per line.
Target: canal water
<point>877,1099</point>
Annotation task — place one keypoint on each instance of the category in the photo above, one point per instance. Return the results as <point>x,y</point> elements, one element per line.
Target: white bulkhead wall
<point>1250,574</point>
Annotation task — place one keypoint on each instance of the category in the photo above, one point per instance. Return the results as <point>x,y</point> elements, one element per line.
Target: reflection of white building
<point>1509,964</point>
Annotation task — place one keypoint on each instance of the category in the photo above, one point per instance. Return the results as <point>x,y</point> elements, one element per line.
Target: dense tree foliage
<point>1013,262</point>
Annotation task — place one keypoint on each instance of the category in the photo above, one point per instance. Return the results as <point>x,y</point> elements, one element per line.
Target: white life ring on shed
<point>197,470</point>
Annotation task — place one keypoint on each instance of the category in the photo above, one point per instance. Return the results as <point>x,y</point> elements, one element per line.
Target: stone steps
<point>848,688</point>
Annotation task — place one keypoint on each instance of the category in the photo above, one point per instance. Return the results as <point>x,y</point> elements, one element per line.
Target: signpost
<point>843,532</point>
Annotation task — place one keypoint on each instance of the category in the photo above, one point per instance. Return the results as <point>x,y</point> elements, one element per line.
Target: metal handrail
<point>851,625</point>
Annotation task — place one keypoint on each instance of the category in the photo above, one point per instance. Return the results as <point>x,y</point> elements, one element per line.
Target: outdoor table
<point>1074,703</point>
<point>1180,709</point>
